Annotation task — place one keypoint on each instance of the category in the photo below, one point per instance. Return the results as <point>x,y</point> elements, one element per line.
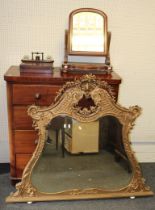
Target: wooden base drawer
<point>21,161</point>
<point>21,120</point>
<point>34,94</point>
<point>25,141</point>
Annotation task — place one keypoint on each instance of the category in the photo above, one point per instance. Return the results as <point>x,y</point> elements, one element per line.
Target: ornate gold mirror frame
<point>66,103</point>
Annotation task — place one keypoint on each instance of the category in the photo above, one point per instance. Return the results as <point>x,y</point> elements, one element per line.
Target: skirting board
<point>144,151</point>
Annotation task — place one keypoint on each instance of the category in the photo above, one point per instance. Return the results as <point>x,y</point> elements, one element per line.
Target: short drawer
<point>25,141</point>
<point>34,94</point>
<point>21,120</point>
<point>21,161</point>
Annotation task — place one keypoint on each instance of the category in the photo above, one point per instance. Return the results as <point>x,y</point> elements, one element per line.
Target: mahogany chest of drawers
<point>24,90</point>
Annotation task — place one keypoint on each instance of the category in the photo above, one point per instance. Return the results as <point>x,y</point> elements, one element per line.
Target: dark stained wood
<point>21,120</point>
<point>34,94</point>
<point>25,141</point>
<point>21,161</point>
<point>24,90</point>
<point>14,75</point>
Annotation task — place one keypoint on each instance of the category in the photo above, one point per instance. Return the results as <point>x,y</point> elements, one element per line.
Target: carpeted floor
<point>146,203</point>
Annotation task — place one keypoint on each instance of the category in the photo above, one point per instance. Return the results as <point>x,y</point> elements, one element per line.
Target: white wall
<point>39,25</point>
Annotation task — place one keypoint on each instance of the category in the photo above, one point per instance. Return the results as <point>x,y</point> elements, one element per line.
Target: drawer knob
<point>36,141</point>
<point>37,96</point>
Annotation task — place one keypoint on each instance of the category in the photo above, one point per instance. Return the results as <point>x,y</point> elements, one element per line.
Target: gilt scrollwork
<point>67,103</point>
<point>86,83</point>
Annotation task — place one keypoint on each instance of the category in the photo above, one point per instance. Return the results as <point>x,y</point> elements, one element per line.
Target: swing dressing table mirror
<point>72,159</point>
<point>87,42</point>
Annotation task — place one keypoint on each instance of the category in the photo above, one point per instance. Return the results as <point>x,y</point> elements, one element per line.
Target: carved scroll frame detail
<point>66,103</point>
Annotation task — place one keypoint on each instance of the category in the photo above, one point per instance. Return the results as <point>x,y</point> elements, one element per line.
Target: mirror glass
<point>80,155</point>
<point>88,32</point>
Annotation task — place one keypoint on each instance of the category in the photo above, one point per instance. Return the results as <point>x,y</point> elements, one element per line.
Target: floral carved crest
<point>86,100</point>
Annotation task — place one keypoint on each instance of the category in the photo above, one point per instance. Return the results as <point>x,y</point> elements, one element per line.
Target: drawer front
<point>21,120</point>
<point>34,94</point>
<point>21,161</point>
<point>25,141</point>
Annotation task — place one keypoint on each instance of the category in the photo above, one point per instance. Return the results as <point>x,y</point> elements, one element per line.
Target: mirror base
<point>83,68</point>
<point>54,197</point>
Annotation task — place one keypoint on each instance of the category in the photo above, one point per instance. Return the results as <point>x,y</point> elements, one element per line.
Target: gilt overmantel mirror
<point>83,151</point>
<point>87,42</point>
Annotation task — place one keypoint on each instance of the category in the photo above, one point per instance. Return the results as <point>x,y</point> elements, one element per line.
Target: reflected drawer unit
<point>84,138</point>
<point>24,90</point>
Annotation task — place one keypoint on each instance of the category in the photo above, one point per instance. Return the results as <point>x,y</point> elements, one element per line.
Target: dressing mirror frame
<point>66,103</point>
<point>70,33</point>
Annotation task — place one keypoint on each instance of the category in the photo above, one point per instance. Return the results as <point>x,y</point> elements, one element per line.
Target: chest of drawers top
<point>13,75</point>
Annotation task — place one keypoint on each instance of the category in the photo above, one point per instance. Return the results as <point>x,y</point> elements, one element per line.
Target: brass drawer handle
<point>37,96</point>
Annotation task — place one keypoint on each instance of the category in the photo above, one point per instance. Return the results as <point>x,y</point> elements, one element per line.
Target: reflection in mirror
<point>80,155</point>
<point>87,43</point>
<point>88,32</point>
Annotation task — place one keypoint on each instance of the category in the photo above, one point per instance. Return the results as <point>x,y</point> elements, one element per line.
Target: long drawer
<point>25,141</point>
<point>34,94</point>
<point>21,161</point>
<point>21,120</point>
